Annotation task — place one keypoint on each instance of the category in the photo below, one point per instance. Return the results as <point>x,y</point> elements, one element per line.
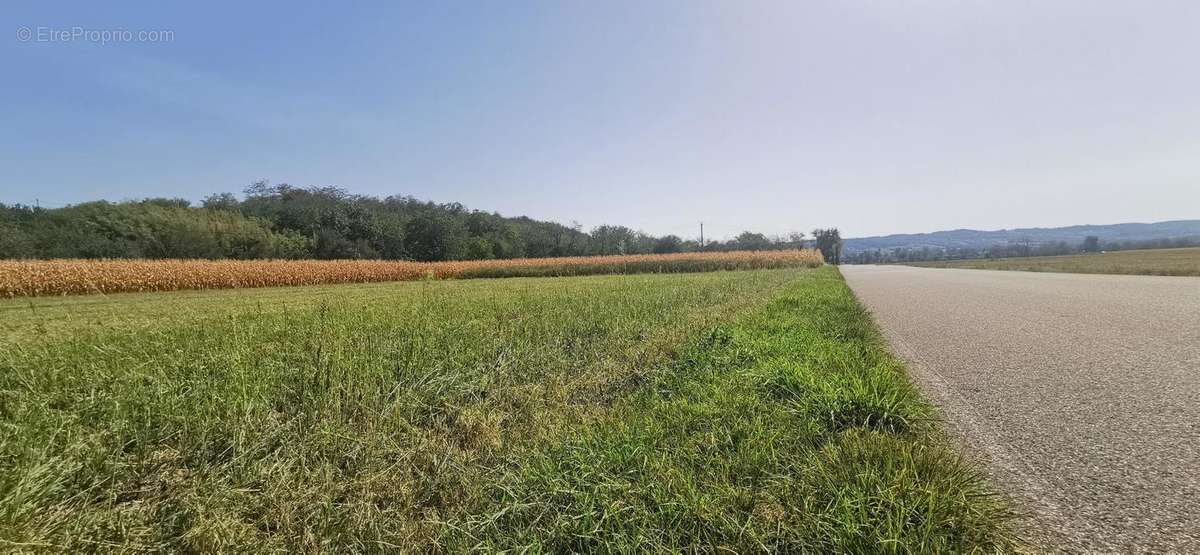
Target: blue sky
<point>877,117</point>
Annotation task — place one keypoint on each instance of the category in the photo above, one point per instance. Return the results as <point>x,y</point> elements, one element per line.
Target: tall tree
<point>435,236</point>
<point>750,241</point>
<point>829,242</point>
<point>667,244</point>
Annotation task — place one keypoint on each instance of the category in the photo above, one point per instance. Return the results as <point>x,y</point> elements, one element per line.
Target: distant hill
<point>976,239</point>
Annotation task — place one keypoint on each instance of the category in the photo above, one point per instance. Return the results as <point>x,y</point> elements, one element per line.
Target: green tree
<point>15,243</point>
<point>829,242</point>
<point>435,236</point>
<point>221,201</point>
<point>749,241</point>
<point>613,239</point>
<point>668,244</point>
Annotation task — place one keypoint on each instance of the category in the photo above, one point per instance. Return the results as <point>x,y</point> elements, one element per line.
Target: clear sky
<point>877,117</point>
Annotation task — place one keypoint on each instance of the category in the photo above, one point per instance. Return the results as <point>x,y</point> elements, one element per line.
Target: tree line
<point>282,221</point>
<point>1089,244</point>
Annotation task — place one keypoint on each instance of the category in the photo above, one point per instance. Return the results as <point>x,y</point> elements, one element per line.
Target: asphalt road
<point>1079,394</point>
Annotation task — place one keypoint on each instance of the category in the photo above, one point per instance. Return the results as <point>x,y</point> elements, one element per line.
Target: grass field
<point>1159,262</point>
<point>744,410</point>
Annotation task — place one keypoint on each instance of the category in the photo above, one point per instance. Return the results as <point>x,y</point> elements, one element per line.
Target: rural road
<point>1079,394</point>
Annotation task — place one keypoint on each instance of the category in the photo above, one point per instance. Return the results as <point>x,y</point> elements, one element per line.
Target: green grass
<point>747,410</point>
<point>1160,262</point>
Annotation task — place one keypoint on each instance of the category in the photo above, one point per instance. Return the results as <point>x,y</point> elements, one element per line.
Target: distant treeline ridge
<point>1012,250</point>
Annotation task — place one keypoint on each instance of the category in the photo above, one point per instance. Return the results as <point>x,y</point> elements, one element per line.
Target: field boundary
<point>1183,261</point>
<point>28,278</point>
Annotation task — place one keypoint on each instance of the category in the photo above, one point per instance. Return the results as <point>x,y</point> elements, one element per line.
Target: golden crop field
<point>24,278</point>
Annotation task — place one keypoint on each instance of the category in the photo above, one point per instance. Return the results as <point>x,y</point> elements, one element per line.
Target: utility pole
<point>701,234</point>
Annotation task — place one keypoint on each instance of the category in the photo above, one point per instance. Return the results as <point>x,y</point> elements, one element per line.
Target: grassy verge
<point>741,409</point>
<point>791,429</point>
<point>1160,262</point>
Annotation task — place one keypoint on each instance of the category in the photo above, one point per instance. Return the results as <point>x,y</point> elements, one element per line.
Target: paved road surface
<point>1080,394</point>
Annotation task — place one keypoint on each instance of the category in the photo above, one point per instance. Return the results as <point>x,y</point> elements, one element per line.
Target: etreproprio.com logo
<point>85,34</point>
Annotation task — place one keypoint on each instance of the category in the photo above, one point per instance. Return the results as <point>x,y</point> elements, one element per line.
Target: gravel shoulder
<point>1080,394</point>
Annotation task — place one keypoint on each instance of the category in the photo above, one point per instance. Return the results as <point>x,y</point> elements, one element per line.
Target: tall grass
<point>746,410</point>
<point>21,278</point>
<point>328,417</point>
<point>790,430</point>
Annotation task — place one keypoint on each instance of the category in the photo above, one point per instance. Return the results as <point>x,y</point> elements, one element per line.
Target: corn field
<point>25,278</point>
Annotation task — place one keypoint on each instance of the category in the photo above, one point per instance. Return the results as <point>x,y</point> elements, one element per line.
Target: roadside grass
<point>791,429</point>
<point>1160,262</point>
<point>748,410</point>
